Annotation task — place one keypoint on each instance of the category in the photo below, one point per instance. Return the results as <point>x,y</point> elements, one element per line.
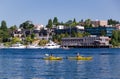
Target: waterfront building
<point>91,41</point>
<point>60,27</point>
<point>69,30</point>
<point>17,33</point>
<point>99,23</point>
<point>38,27</point>
<point>117,26</point>
<point>100,30</point>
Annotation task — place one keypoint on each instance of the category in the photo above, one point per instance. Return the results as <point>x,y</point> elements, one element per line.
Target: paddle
<point>47,55</point>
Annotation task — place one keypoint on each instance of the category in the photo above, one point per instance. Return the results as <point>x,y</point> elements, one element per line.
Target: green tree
<point>103,33</point>
<point>115,38</point>
<point>57,38</point>
<point>66,34</point>
<point>12,28</point>
<point>15,40</point>
<point>74,21</point>
<point>61,23</point>
<point>62,35</point>
<point>119,36</point>
<point>50,24</point>
<point>115,35</point>
<point>1,34</point>
<point>3,25</point>
<point>32,35</point>
<point>54,37</point>
<point>79,35</point>
<point>112,22</point>
<point>88,23</point>
<point>43,42</point>
<point>114,42</point>
<point>82,20</point>
<point>4,36</point>
<point>27,25</point>
<point>28,40</point>
<point>55,21</point>
<point>86,34</point>
<point>73,34</point>
<point>68,23</point>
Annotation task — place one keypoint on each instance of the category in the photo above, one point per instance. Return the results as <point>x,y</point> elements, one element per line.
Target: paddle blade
<point>46,54</point>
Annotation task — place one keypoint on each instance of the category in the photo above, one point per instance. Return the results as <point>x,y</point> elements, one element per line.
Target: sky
<point>15,12</point>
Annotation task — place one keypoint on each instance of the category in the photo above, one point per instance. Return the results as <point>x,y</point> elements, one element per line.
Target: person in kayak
<point>51,55</point>
<point>78,55</point>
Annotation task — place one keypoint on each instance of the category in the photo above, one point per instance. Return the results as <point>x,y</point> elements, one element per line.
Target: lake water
<point>28,64</point>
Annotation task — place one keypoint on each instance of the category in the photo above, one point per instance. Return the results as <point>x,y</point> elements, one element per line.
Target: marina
<point>60,39</point>
<point>50,45</point>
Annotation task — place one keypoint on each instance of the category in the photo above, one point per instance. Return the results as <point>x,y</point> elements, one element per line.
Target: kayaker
<point>51,55</point>
<point>78,55</point>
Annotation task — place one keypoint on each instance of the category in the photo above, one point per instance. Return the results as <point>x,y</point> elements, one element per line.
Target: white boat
<point>18,46</point>
<point>2,46</point>
<point>51,45</point>
<point>34,46</point>
<point>65,47</point>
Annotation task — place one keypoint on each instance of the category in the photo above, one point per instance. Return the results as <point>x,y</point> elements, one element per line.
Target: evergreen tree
<point>88,23</point>
<point>3,25</point>
<point>74,21</point>
<point>4,36</point>
<point>55,21</point>
<point>12,28</point>
<point>69,23</point>
<point>4,33</point>
<point>50,24</point>
<point>82,20</point>
<point>112,22</point>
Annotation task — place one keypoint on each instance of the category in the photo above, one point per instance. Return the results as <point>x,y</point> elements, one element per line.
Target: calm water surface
<point>28,64</point>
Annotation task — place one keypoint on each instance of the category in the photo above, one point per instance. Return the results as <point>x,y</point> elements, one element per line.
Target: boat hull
<point>52,47</point>
<point>17,47</point>
<point>52,58</point>
<point>80,58</point>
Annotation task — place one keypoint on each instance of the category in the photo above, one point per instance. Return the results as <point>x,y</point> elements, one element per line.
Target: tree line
<point>7,38</point>
<point>115,39</point>
<point>72,23</point>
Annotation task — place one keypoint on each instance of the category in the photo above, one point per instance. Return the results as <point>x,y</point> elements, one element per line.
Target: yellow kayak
<point>52,58</point>
<point>80,58</point>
